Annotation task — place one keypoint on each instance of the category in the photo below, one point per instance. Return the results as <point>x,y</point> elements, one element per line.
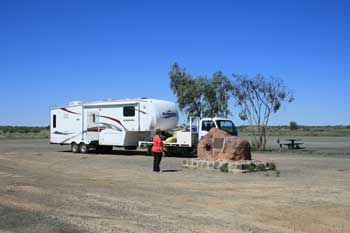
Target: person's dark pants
<point>157,158</point>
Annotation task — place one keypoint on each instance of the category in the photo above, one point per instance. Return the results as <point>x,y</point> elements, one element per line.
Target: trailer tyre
<point>75,148</point>
<point>83,148</point>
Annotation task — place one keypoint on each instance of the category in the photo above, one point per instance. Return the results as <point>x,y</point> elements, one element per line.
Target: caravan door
<point>92,125</point>
<point>112,131</point>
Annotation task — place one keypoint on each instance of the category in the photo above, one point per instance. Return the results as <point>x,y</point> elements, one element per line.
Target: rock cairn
<point>220,145</point>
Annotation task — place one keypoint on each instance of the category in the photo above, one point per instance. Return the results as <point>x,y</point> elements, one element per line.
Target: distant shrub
<point>252,167</point>
<point>293,125</point>
<point>224,167</point>
<point>24,131</point>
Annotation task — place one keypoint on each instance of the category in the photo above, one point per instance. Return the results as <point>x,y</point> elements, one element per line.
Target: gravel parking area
<point>46,188</point>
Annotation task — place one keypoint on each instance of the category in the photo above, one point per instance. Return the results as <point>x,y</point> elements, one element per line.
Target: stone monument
<point>220,145</point>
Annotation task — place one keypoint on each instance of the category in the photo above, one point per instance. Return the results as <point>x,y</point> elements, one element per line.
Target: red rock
<point>220,145</point>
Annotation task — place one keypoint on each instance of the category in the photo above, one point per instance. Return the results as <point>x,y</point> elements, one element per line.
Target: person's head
<point>158,131</point>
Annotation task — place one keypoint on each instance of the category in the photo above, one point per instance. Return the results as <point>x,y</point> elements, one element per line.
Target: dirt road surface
<point>45,188</point>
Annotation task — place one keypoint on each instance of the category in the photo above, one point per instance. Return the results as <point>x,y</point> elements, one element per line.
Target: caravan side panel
<point>111,128</point>
<point>119,125</point>
<point>66,125</point>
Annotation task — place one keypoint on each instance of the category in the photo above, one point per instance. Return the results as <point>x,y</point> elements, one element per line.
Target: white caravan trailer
<point>104,124</point>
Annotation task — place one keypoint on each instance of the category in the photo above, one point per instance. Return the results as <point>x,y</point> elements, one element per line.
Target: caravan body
<point>112,122</point>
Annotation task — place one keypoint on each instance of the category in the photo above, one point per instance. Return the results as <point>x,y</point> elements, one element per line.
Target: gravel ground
<point>45,188</point>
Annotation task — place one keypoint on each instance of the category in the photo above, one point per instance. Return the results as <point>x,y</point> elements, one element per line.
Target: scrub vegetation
<point>326,131</point>
<point>24,132</point>
<point>13,132</point>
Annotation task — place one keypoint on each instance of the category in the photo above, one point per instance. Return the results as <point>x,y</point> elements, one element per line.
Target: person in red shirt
<point>157,150</point>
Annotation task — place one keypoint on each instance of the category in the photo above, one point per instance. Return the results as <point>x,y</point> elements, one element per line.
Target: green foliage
<point>293,125</point>
<point>216,96</point>
<point>200,96</point>
<point>188,91</point>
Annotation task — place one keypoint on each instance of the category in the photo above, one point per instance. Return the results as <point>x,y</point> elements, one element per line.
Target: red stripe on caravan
<point>66,110</point>
<point>113,119</point>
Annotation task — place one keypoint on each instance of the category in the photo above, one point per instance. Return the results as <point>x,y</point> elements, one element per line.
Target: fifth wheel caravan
<point>104,124</point>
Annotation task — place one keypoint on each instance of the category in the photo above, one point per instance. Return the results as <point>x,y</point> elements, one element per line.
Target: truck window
<point>207,125</point>
<point>227,126</point>
<point>54,121</point>
<point>129,111</point>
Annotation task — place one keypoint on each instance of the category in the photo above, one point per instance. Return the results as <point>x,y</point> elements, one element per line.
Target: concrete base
<point>241,166</point>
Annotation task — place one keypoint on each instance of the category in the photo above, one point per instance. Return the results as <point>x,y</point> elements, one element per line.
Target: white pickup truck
<point>189,137</point>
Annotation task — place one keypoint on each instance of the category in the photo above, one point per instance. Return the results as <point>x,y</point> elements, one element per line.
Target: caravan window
<point>54,121</point>
<point>129,111</point>
<point>93,118</point>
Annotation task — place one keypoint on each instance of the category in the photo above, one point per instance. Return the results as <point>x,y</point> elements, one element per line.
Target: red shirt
<point>157,144</point>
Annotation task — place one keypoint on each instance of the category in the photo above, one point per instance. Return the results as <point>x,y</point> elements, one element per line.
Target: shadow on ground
<point>171,170</point>
<point>137,153</point>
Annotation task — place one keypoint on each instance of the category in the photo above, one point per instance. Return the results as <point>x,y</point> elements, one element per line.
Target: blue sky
<point>52,52</point>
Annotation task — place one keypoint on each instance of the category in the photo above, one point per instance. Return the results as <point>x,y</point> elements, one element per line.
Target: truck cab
<point>205,124</point>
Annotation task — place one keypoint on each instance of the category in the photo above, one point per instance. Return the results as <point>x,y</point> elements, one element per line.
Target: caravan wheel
<point>75,148</point>
<point>83,148</point>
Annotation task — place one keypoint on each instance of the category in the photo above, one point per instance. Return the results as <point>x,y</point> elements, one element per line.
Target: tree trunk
<point>264,138</point>
<point>260,143</point>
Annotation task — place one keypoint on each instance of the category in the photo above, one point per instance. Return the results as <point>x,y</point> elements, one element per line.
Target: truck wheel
<point>75,148</point>
<point>83,148</point>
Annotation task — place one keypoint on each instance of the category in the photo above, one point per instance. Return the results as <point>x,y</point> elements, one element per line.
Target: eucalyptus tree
<point>200,96</point>
<point>259,97</point>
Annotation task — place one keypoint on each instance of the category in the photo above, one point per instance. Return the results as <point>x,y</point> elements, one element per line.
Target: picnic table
<point>293,143</point>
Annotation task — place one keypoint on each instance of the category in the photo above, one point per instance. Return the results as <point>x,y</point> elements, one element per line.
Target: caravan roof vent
<point>74,103</point>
